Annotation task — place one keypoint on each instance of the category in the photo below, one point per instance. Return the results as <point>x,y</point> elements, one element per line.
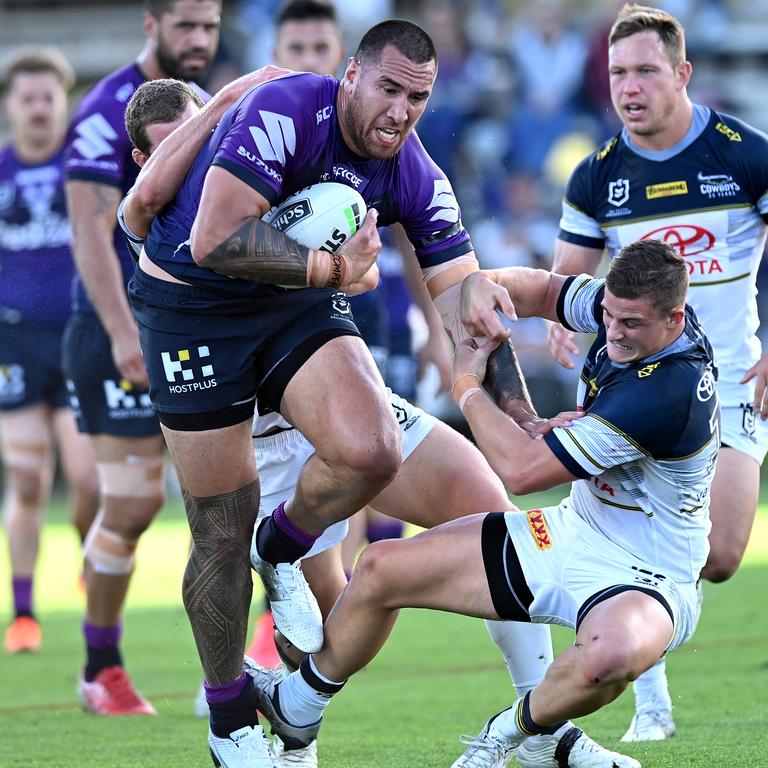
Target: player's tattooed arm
<point>262,253</point>
<point>505,383</point>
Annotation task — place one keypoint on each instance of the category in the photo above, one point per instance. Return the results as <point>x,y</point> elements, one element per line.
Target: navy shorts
<point>103,402</point>
<point>30,366</point>
<point>209,356</point>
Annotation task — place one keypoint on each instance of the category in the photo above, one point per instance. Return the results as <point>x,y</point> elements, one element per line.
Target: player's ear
<point>676,316</point>
<point>350,73</point>
<point>684,72</point>
<point>149,24</point>
<point>139,157</point>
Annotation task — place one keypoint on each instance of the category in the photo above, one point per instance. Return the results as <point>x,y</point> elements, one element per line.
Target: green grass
<point>438,677</point>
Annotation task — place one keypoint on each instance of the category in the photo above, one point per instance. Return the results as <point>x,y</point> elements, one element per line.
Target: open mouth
<point>388,135</point>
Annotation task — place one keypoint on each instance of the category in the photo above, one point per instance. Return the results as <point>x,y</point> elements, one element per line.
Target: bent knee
<point>610,665</point>
<point>374,461</point>
<point>29,485</point>
<point>374,577</point>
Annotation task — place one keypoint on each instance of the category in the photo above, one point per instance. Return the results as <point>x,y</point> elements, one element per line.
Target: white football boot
<point>569,746</point>
<point>294,608</point>
<point>300,758</point>
<point>655,725</point>
<point>490,748</point>
<point>244,748</point>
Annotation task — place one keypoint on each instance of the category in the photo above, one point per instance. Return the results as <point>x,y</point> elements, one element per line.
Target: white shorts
<point>743,431</point>
<point>280,458</point>
<point>569,567</point>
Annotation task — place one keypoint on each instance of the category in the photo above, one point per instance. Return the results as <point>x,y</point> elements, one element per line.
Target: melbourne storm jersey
<point>284,135</point>
<point>647,445</point>
<point>99,150</point>
<point>708,197</point>
<point>36,267</point>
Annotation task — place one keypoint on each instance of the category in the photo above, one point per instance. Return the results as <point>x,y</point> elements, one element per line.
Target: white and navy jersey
<point>708,197</point>
<point>646,448</point>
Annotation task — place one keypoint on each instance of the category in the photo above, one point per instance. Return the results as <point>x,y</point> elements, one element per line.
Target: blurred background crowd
<point>521,96</point>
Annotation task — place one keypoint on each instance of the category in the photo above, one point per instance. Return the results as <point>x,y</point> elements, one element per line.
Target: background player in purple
<point>35,278</point>
<point>102,355</point>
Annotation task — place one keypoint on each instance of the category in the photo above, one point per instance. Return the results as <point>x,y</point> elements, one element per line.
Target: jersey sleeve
<point>429,210</point>
<point>134,242</point>
<point>579,306</point>
<point>264,137</point>
<point>752,148</point>
<point>98,147</point>
<point>578,224</point>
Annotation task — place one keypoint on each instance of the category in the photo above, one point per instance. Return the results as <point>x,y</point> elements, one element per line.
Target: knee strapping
<point>138,477</point>
<point>107,551</point>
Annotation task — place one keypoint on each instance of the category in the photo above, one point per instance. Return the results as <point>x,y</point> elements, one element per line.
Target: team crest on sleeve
<point>95,135</point>
<point>618,192</point>
<point>445,202</point>
<point>279,137</point>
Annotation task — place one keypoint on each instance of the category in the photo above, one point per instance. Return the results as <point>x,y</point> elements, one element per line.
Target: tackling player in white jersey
<point>617,560</point>
<point>698,180</point>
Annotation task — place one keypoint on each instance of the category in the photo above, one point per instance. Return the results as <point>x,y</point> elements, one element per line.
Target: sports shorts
<point>549,564</point>
<point>30,366</point>
<point>280,458</point>
<point>103,402</point>
<point>208,356</point>
<point>743,431</point>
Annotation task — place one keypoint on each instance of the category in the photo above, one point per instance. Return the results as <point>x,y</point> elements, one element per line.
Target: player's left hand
<point>231,92</point>
<point>538,427</point>
<point>759,372</point>
<point>470,359</point>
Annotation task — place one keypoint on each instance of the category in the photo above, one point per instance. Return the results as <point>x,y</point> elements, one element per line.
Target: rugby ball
<point>323,216</point>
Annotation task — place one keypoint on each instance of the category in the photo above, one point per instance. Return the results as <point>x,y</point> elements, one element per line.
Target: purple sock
<point>22,595</point>
<point>289,529</point>
<point>102,637</point>
<point>384,529</point>
<point>219,694</point>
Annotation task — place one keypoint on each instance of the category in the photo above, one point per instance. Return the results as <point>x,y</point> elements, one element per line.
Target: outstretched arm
<point>164,172</point>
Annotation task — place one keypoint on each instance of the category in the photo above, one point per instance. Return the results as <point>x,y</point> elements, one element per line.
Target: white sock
<point>651,689</point>
<point>527,650</point>
<point>300,703</point>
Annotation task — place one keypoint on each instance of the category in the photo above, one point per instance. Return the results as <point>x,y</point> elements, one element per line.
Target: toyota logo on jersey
<point>686,239</point>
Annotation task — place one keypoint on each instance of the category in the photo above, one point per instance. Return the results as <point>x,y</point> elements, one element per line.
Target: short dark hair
<point>37,59</point>
<point>409,38</point>
<point>157,8</point>
<point>633,19</point>
<point>307,10</point>
<point>649,269</point>
<point>156,101</point>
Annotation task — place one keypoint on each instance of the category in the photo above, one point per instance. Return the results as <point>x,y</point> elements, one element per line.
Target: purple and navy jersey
<point>283,136</point>
<point>99,150</point>
<point>36,267</point>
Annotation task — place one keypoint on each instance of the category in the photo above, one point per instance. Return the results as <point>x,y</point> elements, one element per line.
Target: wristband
<point>466,395</point>
<point>327,270</point>
<point>458,389</point>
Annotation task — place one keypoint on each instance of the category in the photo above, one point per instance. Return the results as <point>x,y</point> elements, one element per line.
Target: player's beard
<point>360,130</point>
<point>173,65</point>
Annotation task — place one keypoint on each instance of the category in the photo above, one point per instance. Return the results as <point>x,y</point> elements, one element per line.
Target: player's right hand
<point>363,248</point>
<point>562,345</point>
<point>126,354</point>
<point>484,306</point>
<point>231,92</point>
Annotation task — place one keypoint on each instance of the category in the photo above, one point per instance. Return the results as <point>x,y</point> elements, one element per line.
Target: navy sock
<point>277,546</point>
<point>527,724</point>
<point>236,713</point>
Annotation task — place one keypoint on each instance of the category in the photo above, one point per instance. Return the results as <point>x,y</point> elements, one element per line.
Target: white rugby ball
<point>323,216</point>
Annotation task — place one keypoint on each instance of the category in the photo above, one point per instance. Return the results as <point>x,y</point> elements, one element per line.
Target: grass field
<point>438,677</point>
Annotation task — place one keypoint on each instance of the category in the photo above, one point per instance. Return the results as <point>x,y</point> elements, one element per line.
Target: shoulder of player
<point>7,154</point>
<point>735,134</point>
<point>115,88</point>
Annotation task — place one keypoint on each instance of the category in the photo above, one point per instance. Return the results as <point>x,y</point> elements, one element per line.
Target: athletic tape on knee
<point>107,551</point>
<point>25,456</point>
<point>138,477</point>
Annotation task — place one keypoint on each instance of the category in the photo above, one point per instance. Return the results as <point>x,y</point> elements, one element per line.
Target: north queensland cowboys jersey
<point>708,197</point>
<point>645,449</point>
